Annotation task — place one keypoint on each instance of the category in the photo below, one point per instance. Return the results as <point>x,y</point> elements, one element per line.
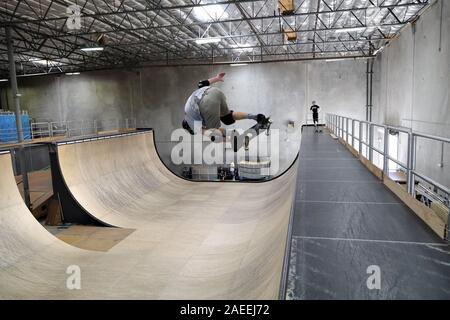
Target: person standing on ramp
<point>315,110</point>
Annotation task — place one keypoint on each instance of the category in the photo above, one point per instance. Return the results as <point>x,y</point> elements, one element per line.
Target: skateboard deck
<point>243,139</point>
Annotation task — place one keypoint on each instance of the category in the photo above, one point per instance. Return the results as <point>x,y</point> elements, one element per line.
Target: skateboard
<point>243,139</point>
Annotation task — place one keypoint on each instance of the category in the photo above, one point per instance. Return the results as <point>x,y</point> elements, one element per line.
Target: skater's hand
<point>220,76</point>
<point>217,78</point>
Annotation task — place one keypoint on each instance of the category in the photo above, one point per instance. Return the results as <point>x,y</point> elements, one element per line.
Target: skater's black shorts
<point>315,118</point>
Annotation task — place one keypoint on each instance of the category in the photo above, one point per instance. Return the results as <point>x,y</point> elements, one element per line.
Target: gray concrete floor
<point>346,220</point>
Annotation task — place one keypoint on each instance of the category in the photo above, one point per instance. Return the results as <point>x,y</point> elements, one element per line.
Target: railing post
<point>332,123</point>
<point>32,126</point>
<point>68,128</point>
<point>353,133</point>
<point>346,129</point>
<point>386,152</point>
<point>339,126</point>
<point>370,142</point>
<point>411,162</point>
<point>360,138</point>
<point>336,125</point>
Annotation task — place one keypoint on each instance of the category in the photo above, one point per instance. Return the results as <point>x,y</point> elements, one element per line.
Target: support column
<point>18,113</point>
<point>369,89</point>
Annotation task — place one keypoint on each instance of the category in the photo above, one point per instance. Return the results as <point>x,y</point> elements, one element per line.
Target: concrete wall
<point>92,95</point>
<point>415,84</point>
<point>282,90</point>
<point>156,96</point>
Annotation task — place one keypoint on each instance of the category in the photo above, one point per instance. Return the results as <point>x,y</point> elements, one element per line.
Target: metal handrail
<point>431,181</point>
<point>73,128</point>
<point>429,136</point>
<point>365,138</point>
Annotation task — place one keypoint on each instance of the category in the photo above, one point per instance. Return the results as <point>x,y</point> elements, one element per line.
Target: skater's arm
<point>239,115</point>
<point>218,78</point>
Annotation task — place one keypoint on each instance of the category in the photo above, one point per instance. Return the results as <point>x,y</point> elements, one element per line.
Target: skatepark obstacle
<point>192,240</point>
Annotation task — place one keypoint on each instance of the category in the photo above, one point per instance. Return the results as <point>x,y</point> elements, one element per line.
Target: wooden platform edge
<point>377,172</point>
<point>422,211</point>
<point>352,150</point>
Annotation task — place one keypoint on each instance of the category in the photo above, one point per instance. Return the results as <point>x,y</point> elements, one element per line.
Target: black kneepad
<point>228,119</point>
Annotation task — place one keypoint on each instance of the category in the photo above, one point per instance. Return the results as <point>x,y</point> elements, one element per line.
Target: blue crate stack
<point>8,130</point>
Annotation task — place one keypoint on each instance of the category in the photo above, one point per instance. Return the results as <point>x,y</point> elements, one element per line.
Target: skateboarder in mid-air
<point>208,105</point>
<point>315,110</point>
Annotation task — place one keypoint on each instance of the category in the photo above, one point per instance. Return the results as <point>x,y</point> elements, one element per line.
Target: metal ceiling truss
<point>49,34</point>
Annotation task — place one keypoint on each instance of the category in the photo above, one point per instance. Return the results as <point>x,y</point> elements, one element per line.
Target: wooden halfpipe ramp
<point>193,240</point>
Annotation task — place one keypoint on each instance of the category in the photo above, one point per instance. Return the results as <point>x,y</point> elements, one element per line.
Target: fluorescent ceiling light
<point>350,29</point>
<point>45,62</point>
<point>208,13</point>
<point>92,49</point>
<point>3,80</point>
<point>333,60</point>
<point>242,47</point>
<point>207,40</point>
<point>238,64</point>
<point>72,73</point>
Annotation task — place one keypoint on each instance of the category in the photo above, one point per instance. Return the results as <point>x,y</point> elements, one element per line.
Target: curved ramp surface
<point>192,240</point>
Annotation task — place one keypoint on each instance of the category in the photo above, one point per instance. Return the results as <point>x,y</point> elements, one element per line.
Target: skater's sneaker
<point>263,122</point>
<point>261,119</point>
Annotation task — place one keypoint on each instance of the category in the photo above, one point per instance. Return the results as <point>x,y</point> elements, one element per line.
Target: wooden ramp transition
<point>192,240</point>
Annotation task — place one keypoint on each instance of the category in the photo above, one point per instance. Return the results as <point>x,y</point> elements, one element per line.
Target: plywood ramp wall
<point>192,241</point>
